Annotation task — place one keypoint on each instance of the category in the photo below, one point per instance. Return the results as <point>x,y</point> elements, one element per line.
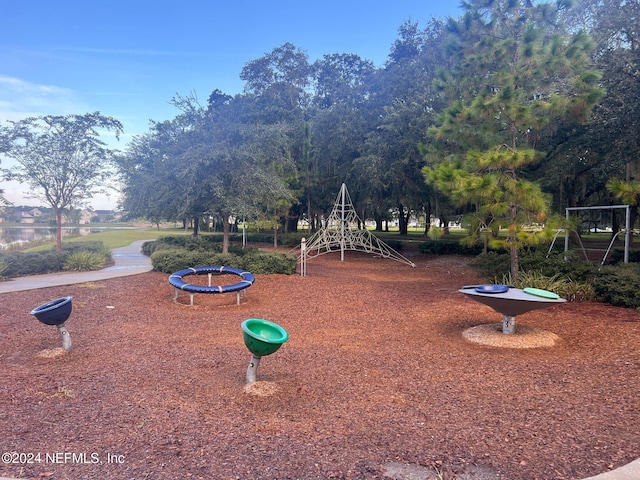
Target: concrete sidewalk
<point>127,261</point>
<point>631,471</point>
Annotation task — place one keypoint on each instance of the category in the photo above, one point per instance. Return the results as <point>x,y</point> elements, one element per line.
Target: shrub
<point>491,264</point>
<point>149,247</point>
<point>617,255</point>
<point>394,243</point>
<point>435,233</point>
<point>171,260</point>
<point>494,264</point>
<point>448,248</point>
<point>554,263</point>
<point>223,259</point>
<point>536,280</point>
<point>32,263</point>
<point>579,291</point>
<point>292,239</point>
<point>75,256</point>
<point>619,285</point>
<point>187,242</point>
<point>269,262</point>
<point>261,237</point>
<point>3,268</point>
<point>565,287</point>
<point>84,260</point>
<point>93,246</point>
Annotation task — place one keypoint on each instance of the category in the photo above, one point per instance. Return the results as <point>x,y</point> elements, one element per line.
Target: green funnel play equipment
<point>262,338</point>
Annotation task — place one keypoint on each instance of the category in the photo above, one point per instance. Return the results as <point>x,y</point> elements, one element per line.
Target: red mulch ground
<point>376,371</point>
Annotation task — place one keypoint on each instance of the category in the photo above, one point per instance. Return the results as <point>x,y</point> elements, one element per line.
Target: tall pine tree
<point>515,74</point>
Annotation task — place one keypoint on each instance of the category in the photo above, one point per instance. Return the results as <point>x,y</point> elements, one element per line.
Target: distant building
<point>30,216</point>
<point>105,216</point>
<point>85,216</point>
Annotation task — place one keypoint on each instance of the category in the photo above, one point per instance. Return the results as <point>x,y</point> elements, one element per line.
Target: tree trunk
<point>513,245</point>
<point>407,217</point>
<point>292,222</point>
<point>427,219</point>
<point>444,224</point>
<point>402,224</point>
<point>196,226</point>
<point>379,222</point>
<point>225,230</point>
<point>59,229</point>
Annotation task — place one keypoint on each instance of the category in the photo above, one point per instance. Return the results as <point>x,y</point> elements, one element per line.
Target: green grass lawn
<point>115,238</point>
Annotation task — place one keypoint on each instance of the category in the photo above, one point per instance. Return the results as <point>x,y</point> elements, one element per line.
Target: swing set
<point>626,231</point>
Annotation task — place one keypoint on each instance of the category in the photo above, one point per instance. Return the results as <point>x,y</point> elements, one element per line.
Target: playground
<point>376,373</point>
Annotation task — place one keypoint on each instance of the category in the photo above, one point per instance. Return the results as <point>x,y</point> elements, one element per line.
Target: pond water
<point>17,234</point>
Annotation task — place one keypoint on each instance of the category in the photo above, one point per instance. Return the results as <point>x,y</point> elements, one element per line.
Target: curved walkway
<point>129,261</point>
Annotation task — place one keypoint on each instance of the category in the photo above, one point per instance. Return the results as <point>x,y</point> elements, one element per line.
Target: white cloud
<point>20,194</point>
<point>20,99</point>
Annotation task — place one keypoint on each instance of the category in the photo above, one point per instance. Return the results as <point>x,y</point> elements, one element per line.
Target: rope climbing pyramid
<point>342,232</point>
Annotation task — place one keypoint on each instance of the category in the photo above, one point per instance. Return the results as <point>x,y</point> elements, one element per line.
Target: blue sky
<point>127,59</point>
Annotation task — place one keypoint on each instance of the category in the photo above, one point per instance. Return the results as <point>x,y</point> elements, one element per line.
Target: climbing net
<point>343,231</point>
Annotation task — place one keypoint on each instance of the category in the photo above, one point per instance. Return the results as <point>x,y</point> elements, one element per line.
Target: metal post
<point>566,236</point>
<point>66,338</point>
<point>342,190</point>
<point>244,233</point>
<point>627,235</point>
<point>303,257</point>
<point>508,324</point>
<point>252,371</point>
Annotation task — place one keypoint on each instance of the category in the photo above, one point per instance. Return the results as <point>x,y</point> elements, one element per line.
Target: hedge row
<point>439,247</point>
<point>17,264</point>
<point>167,258</point>
<point>619,285</point>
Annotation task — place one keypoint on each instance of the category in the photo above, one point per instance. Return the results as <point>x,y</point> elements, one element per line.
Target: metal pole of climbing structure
<point>342,190</point>
<point>303,257</point>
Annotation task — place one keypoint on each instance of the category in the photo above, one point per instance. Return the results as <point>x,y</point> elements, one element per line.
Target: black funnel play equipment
<point>56,312</point>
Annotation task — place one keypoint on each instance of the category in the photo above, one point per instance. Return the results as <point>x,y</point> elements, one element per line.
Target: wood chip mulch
<point>376,374</point>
